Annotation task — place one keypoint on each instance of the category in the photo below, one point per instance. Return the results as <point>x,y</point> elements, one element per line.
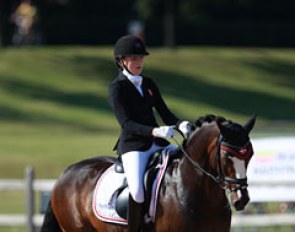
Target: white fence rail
<point>263,220</point>
<point>19,219</point>
<point>257,220</point>
<point>16,184</point>
<point>30,185</point>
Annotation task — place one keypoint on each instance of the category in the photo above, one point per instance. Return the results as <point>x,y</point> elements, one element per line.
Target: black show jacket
<point>135,113</point>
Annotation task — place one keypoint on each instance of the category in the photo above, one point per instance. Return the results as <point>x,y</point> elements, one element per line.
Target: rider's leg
<point>134,164</point>
<point>135,215</point>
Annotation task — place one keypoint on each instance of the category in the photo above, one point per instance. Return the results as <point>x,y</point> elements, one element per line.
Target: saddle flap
<point>151,172</point>
<point>111,195</point>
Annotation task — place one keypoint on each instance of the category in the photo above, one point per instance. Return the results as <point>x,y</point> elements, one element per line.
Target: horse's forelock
<point>236,134</point>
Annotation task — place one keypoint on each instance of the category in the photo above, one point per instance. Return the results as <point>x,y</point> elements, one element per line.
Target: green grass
<point>54,109</point>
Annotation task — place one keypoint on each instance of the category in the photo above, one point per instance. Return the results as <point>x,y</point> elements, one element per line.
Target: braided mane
<point>234,129</point>
<point>232,132</point>
<point>208,118</point>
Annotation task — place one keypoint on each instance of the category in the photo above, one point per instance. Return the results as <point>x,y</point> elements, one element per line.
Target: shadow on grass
<point>233,100</point>
<point>43,92</point>
<point>99,68</point>
<point>284,70</point>
<point>10,114</point>
<point>243,102</point>
<point>34,91</point>
<point>186,88</point>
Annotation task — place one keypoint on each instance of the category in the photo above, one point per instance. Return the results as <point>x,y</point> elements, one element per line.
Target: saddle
<point>122,193</point>
<point>111,195</point>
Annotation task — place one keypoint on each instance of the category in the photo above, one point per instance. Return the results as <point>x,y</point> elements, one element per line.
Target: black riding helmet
<point>129,45</point>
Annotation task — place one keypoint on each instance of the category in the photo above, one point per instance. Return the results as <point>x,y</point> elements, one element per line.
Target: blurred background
<point>164,22</point>
<point>232,58</point>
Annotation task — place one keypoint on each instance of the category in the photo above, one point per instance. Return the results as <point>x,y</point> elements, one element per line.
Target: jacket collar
<point>135,80</point>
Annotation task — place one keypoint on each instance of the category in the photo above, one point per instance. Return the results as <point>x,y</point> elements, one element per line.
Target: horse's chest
<point>203,216</point>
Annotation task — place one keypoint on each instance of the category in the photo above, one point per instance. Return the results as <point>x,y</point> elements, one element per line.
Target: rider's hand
<point>163,132</point>
<point>185,127</point>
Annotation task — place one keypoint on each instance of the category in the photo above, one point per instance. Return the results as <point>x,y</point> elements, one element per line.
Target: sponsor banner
<point>273,160</point>
<point>269,193</point>
<point>271,172</point>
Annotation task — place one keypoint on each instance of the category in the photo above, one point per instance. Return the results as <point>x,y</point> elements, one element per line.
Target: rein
<point>197,165</point>
<point>240,152</point>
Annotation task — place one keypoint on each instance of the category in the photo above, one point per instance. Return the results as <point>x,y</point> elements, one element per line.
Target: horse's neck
<point>201,149</point>
<point>202,144</point>
<point>193,197</point>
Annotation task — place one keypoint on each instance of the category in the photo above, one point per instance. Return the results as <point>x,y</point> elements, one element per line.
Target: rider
<point>133,98</point>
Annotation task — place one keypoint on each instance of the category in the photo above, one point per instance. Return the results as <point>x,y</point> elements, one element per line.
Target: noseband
<point>243,152</point>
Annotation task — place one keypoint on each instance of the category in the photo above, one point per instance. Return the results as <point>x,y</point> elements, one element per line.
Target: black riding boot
<point>135,215</point>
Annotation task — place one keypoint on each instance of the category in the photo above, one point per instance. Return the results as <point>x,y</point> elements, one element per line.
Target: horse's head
<point>221,150</point>
<point>233,156</point>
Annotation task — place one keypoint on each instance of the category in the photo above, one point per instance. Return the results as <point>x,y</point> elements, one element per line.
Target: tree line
<point>164,22</point>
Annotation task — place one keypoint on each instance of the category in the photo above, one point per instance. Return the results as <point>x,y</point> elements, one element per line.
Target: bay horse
<point>192,197</point>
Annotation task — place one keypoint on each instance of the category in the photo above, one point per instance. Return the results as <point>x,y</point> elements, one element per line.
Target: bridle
<point>241,152</point>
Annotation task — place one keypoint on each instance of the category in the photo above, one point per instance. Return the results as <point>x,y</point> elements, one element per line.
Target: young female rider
<point>133,98</point>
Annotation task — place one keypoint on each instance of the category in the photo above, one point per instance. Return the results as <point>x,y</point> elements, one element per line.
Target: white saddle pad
<point>103,204</point>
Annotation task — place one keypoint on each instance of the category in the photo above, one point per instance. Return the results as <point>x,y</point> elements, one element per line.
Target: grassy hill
<point>54,108</point>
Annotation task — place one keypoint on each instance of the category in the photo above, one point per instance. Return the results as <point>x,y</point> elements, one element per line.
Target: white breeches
<point>134,163</point>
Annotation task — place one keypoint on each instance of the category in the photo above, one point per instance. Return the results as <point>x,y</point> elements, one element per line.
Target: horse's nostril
<point>239,206</point>
<point>240,202</point>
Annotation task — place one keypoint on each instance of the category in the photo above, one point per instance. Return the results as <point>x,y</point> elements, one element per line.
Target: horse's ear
<point>250,124</point>
<point>223,130</point>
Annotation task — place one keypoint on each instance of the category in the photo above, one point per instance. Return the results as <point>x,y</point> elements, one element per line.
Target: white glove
<point>185,127</point>
<point>163,132</point>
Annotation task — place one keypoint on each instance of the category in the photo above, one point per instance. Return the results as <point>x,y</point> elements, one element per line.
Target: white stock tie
<point>136,80</point>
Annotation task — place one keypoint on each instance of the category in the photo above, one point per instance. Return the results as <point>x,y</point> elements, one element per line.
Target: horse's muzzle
<point>239,202</point>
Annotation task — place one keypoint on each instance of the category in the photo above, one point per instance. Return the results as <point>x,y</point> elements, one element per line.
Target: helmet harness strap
<point>122,66</point>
